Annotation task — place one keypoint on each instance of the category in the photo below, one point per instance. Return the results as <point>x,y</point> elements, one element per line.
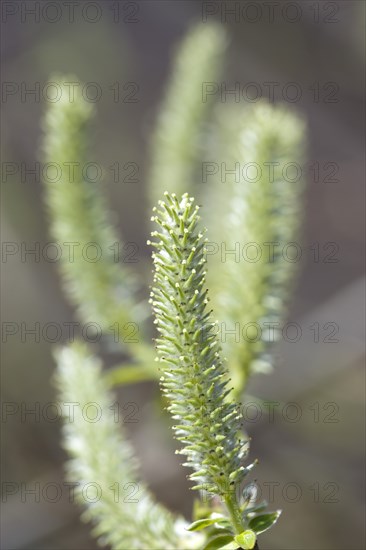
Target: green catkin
<point>194,378</point>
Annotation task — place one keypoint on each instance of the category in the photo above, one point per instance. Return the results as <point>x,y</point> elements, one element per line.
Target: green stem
<point>130,374</point>
<point>234,512</point>
<point>143,370</point>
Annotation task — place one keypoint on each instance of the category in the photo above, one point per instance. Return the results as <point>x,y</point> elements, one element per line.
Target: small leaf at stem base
<point>246,539</point>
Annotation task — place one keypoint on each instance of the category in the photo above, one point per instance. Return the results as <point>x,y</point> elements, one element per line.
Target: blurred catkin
<point>123,511</point>
<point>99,286</point>
<point>178,138</point>
<point>258,209</point>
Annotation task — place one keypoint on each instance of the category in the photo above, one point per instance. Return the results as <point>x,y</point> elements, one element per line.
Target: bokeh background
<point>315,468</point>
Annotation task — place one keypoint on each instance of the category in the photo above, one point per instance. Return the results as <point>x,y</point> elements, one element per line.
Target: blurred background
<point>312,468</point>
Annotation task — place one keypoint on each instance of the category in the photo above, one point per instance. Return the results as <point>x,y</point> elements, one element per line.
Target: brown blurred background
<point>313,468</point>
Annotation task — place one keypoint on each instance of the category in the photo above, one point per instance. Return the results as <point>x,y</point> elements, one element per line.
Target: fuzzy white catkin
<point>100,454</point>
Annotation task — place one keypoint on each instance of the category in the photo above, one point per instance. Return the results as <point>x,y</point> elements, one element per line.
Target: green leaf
<point>246,539</point>
<point>230,546</point>
<point>218,519</point>
<point>260,507</point>
<point>201,524</point>
<point>218,530</point>
<point>261,523</point>
<point>222,541</point>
